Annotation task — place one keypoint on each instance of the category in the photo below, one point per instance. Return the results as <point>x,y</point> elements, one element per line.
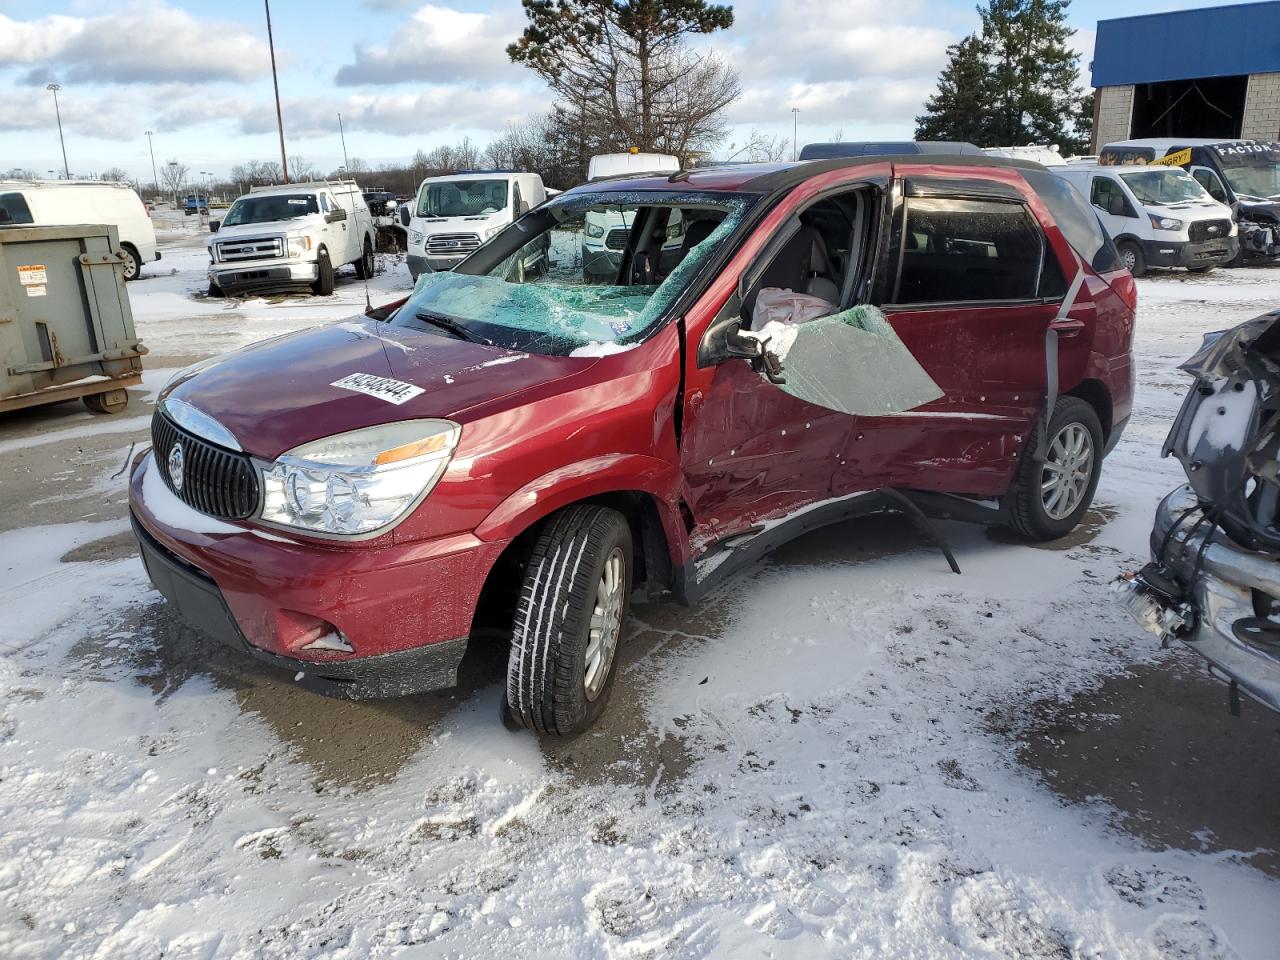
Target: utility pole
<point>55,87</point>
<point>155,178</point>
<point>345,162</point>
<point>795,128</point>
<point>275,81</point>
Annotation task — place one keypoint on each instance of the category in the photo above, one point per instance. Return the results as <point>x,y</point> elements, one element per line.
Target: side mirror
<point>214,225</point>
<point>335,216</point>
<point>404,215</point>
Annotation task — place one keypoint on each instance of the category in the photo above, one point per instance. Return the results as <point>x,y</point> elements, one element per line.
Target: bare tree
<point>174,176</point>
<point>302,169</point>
<point>20,173</point>
<point>761,147</point>
<point>114,174</point>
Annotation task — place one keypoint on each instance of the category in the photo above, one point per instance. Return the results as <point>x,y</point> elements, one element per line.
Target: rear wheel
<point>1131,256</point>
<point>132,265</point>
<point>1048,498</point>
<point>324,274</point>
<point>110,401</point>
<point>568,621</point>
<point>215,290</point>
<point>364,266</point>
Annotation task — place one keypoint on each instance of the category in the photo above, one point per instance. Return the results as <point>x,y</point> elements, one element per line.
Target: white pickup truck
<point>291,236</point>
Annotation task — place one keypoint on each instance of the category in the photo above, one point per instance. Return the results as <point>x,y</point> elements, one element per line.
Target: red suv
<point>527,445</point>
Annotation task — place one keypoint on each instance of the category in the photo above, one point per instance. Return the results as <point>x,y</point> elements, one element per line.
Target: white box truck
<point>1157,216</point>
<point>291,236</point>
<point>61,203</point>
<point>453,215</point>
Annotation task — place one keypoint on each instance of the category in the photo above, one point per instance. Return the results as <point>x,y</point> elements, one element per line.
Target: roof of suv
<point>767,177</point>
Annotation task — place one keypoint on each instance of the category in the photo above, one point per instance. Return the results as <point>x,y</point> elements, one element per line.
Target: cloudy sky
<point>406,74</point>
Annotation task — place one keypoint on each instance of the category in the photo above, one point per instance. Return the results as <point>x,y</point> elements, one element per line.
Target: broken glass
<point>851,362</point>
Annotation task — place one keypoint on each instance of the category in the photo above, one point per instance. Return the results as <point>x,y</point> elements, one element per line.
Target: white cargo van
<point>1158,216</point>
<point>57,203</point>
<point>290,236</point>
<point>455,214</point>
<point>604,235</point>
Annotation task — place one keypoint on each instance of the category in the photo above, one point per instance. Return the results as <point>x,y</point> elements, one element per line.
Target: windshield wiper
<point>453,326</point>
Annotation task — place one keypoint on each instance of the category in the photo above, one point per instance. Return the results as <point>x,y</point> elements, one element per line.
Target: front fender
<point>611,473</point>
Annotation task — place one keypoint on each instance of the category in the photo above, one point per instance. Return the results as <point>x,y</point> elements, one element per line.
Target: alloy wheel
<point>1067,471</point>
<point>606,625</point>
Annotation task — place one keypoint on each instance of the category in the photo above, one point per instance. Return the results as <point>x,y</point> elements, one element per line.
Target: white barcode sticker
<point>384,388</point>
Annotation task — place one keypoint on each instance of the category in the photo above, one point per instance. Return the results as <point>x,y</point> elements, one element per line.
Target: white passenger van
<point>453,215</point>
<point>1157,216</point>
<point>604,235</point>
<point>53,203</point>
<point>289,236</point>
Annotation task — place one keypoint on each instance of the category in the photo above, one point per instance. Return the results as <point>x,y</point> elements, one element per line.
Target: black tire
<point>132,266</point>
<point>364,266</point>
<point>1205,269</point>
<point>215,290</point>
<point>1131,256</point>
<point>547,678</point>
<point>323,286</point>
<point>1029,516</point>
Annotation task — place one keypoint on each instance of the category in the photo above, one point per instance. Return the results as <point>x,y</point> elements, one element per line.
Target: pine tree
<point>958,110</point>
<point>1013,82</point>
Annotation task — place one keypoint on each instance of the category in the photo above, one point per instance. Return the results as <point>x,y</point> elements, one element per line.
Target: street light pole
<point>795,128</point>
<point>275,81</point>
<point>55,87</point>
<point>155,179</point>
<point>341,133</point>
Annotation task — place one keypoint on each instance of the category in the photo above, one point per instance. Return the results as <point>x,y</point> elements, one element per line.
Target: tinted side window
<point>15,205</point>
<point>968,250</point>
<point>1076,219</point>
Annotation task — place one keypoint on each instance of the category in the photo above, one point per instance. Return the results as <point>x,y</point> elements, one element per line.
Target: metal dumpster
<point>66,329</point>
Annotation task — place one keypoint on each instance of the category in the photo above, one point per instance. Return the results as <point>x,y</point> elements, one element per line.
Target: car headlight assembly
<point>492,232</point>
<point>595,230</point>
<point>358,483</point>
<point>299,245</point>
<point>1164,223</point>
<point>416,237</point>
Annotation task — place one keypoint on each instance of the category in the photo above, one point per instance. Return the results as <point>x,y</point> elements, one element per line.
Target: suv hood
<point>279,393</point>
<point>268,228</point>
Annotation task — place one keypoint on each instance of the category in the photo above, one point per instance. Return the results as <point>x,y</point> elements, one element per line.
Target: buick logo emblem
<point>176,459</point>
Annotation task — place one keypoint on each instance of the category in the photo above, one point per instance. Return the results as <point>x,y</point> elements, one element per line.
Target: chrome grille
<point>260,248</point>
<point>450,244</point>
<point>1209,230</point>
<point>617,238</point>
<point>214,481</point>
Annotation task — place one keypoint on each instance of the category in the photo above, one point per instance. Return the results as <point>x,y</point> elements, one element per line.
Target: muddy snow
<point>850,752</point>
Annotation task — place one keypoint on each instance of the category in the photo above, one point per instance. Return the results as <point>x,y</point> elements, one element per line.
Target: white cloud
<point>142,42</point>
<point>437,44</point>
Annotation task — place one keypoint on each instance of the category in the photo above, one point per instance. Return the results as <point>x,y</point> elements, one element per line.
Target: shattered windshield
<point>268,209</point>
<point>585,276</point>
<point>1158,187</point>
<point>1252,169</point>
<point>462,198</point>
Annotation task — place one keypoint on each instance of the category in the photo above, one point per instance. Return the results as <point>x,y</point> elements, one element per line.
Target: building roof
<point>1188,44</point>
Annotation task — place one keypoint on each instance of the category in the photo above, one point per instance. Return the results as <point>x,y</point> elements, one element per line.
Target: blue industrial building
<point>1208,72</point>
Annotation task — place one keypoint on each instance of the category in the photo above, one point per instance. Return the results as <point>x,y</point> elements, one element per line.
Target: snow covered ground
<point>821,762</point>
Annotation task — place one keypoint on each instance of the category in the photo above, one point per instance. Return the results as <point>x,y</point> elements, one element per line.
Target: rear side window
<point>968,250</point>
<point>1076,219</point>
<point>14,209</point>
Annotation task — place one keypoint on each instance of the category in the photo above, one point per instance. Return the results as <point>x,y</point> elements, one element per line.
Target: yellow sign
<point>1179,159</point>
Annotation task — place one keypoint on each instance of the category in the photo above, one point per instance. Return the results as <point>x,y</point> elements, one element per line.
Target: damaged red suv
<point>527,444</point>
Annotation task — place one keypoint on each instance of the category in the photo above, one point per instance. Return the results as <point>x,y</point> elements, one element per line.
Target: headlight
<point>595,230</point>
<point>1165,223</point>
<point>358,482</point>
<point>298,245</point>
<point>416,237</point>
<point>492,231</point>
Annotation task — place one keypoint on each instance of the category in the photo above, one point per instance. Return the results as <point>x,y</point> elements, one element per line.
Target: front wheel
<point>1131,256</point>
<point>1205,269</point>
<point>324,274</point>
<point>133,265</point>
<point>1048,498</point>
<point>568,620</point>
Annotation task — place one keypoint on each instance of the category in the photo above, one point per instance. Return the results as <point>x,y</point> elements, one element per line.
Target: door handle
<point>1067,328</point>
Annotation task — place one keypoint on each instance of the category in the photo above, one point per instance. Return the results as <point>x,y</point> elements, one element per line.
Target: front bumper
<point>1219,596</point>
<point>263,276</point>
<point>405,608</point>
<point>1180,253</point>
